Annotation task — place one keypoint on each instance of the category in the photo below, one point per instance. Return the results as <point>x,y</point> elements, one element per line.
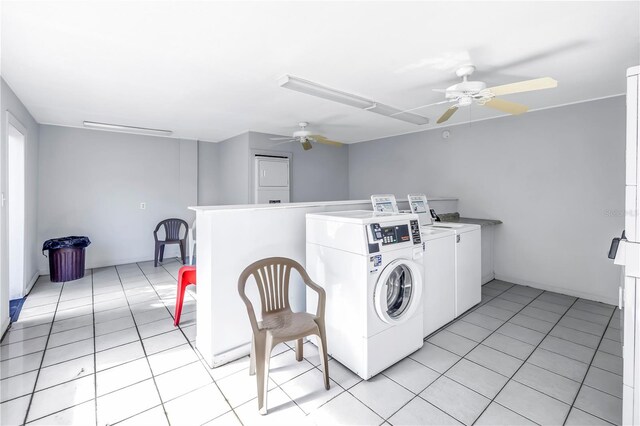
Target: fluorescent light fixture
<point>127,129</point>
<point>396,113</point>
<point>315,89</point>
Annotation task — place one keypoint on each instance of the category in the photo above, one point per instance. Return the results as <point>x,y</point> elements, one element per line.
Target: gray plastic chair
<point>172,231</point>
<point>279,324</point>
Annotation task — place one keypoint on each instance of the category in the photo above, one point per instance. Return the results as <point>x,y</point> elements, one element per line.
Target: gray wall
<point>10,102</point>
<point>554,177</point>
<point>233,170</point>
<point>208,183</point>
<point>320,174</point>
<point>225,170</point>
<point>92,183</point>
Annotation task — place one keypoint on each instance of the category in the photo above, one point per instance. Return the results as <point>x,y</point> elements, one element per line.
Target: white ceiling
<point>209,70</point>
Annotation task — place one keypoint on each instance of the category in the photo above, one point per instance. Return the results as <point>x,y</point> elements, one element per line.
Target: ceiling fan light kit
<point>320,91</point>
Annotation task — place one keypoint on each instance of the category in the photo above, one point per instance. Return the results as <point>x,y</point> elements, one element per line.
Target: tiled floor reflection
<point>103,350</point>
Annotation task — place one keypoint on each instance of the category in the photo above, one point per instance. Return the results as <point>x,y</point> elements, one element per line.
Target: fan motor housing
<point>469,87</point>
<point>301,133</point>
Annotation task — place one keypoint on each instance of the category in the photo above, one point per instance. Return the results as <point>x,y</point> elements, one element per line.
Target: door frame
<point>11,120</point>
<point>252,175</point>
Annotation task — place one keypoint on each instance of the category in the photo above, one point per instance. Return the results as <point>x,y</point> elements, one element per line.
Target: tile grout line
<point>201,360</point>
<point>523,363</point>
<point>548,350</point>
<point>479,344</point>
<point>95,363</point>
<point>474,309</point>
<point>575,398</point>
<point>440,374</point>
<point>141,344</point>
<point>416,395</point>
<point>44,352</point>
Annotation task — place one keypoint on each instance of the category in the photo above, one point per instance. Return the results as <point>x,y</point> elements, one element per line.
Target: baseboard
<point>488,277</point>
<point>32,283</point>
<point>4,325</point>
<point>114,262</point>
<point>557,289</point>
<point>226,357</point>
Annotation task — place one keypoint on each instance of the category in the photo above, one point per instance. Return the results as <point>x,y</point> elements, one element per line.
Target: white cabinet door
<point>273,172</point>
<point>468,270</point>
<point>439,283</point>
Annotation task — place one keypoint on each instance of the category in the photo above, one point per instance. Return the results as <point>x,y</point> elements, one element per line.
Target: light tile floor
<point>103,350</point>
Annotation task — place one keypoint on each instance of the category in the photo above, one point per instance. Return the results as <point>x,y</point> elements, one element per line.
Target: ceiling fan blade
<point>524,86</point>
<point>506,106</point>
<point>447,114</point>
<point>322,139</point>
<point>306,145</point>
<point>423,106</point>
<point>281,139</point>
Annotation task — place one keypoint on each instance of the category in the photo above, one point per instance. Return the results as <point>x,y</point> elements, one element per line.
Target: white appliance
<point>271,179</point>
<point>370,265</point>
<point>439,295</point>
<point>629,256</point>
<point>467,265</point>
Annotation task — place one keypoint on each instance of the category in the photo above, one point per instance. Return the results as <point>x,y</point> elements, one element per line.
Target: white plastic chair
<point>192,241</point>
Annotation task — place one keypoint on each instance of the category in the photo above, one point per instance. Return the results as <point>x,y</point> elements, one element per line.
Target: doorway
<point>16,143</point>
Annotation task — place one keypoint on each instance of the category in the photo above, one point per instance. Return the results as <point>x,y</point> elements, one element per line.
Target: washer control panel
<point>391,234</point>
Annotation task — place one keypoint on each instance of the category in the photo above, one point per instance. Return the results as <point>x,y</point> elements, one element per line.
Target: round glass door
<point>398,291</point>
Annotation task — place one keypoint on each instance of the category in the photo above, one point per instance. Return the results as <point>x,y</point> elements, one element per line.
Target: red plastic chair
<point>186,276</point>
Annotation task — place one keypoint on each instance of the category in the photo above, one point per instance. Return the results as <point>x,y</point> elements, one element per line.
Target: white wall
<point>92,183</point>
<point>10,102</point>
<point>554,177</point>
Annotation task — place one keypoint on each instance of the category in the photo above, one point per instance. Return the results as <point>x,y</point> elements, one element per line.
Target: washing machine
<point>370,266</point>
<point>465,287</point>
<point>439,295</point>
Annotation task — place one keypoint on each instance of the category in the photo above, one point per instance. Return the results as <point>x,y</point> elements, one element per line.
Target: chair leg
<point>179,301</point>
<point>192,245</point>
<point>252,356</point>
<point>322,348</point>
<point>299,350</point>
<point>263,356</point>
<point>155,255</point>
<point>182,254</point>
<point>162,253</point>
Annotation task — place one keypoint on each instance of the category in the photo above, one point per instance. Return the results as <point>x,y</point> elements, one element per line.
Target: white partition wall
<point>232,237</point>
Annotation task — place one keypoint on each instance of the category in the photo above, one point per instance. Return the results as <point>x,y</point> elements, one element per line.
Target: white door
<point>439,283</point>
<point>468,270</point>
<point>273,172</point>
<point>398,291</point>
<point>16,138</point>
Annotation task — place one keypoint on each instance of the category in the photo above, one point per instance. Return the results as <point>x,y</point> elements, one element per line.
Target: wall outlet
<point>143,206</point>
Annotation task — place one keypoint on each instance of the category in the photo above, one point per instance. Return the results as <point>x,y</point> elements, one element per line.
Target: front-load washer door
<point>398,291</point>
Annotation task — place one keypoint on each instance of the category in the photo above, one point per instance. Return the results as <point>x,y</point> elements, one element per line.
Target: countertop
<point>455,217</point>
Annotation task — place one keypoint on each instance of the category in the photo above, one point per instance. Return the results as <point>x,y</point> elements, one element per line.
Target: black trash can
<point>66,257</point>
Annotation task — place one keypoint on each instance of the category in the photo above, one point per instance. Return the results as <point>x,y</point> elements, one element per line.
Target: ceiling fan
<point>304,137</point>
<point>468,92</point>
